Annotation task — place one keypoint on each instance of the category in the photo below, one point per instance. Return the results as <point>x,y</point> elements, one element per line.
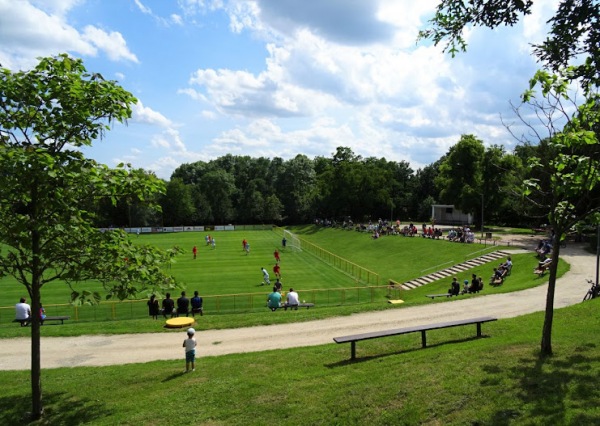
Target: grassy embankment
<point>227,270</point>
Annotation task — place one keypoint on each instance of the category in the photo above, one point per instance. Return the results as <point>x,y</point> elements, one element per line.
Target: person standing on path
<point>190,350</point>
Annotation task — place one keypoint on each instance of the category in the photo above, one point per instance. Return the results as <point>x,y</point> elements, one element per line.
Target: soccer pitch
<point>225,269</point>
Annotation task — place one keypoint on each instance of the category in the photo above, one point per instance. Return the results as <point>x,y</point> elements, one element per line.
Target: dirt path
<point>137,348</point>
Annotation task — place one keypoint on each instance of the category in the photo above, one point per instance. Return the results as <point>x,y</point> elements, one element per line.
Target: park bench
<point>433,296</point>
<point>62,320</point>
<point>301,305</point>
<point>352,339</point>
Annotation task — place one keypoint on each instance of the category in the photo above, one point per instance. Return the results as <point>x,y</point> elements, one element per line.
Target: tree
<point>177,203</point>
<point>566,183</point>
<point>460,175</point>
<point>569,176</point>
<point>296,188</point>
<point>573,37</point>
<point>218,187</point>
<point>46,184</point>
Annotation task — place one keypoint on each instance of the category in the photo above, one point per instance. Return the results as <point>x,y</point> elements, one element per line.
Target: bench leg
<point>478,329</point>
<point>423,339</point>
<point>352,350</point>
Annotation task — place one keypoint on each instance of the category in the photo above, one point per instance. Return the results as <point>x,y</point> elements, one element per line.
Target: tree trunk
<point>546,346</point>
<point>36,366</point>
<point>35,293</point>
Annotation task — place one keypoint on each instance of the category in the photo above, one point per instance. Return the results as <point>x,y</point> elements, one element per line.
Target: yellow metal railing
<point>218,304</point>
<point>356,271</point>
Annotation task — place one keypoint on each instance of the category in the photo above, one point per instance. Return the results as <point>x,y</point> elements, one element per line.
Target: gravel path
<point>137,348</point>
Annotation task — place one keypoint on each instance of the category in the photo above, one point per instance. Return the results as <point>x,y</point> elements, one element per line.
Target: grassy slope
<point>458,380</point>
<point>227,269</point>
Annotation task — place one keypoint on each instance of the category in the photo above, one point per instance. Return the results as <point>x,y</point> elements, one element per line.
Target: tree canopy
<point>49,191</point>
<point>573,38</point>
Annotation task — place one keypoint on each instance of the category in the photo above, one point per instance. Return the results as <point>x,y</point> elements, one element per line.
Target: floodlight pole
<point>482,215</point>
<point>597,251</point>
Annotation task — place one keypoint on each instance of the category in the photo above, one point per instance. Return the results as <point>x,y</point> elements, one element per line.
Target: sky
<point>277,78</point>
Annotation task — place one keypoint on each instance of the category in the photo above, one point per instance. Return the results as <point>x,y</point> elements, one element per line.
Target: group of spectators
<point>168,306</point>
<point>461,235</point>
<point>274,299</point>
<point>501,272</point>
<point>473,286</point>
<point>544,248</point>
<point>382,227</point>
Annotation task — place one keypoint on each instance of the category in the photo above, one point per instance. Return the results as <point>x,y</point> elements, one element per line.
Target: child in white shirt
<point>190,350</point>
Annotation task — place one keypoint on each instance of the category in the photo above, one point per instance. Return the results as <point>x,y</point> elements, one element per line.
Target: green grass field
<point>227,270</point>
<point>457,380</point>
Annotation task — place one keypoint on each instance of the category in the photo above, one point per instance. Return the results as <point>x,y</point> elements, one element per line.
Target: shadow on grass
<point>59,409</point>
<point>360,359</point>
<point>553,390</point>
<point>173,376</point>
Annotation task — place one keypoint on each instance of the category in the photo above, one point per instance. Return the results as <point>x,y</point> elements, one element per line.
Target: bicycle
<point>593,292</point>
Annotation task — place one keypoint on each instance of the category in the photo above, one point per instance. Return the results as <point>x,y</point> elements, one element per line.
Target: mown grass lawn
<point>227,269</point>
<point>457,380</point>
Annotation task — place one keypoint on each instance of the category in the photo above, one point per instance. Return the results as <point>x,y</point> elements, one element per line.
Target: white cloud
<point>176,19</point>
<point>170,140</point>
<point>58,7</point>
<point>147,115</point>
<point>113,43</point>
<point>27,32</point>
<point>144,9</point>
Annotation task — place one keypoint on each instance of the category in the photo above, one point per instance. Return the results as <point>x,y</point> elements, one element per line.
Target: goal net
<point>292,243</point>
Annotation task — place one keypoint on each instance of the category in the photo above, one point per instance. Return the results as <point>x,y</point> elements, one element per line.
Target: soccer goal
<point>293,243</point>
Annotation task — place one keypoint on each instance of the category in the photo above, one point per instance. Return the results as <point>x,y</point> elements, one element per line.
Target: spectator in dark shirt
<point>196,304</point>
<point>168,305</point>
<point>183,305</point>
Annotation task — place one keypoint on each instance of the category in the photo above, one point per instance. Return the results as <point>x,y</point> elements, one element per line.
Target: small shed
<point>447,214</point>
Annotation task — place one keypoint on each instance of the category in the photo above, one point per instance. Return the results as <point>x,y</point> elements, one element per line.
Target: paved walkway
<point>136,348</point>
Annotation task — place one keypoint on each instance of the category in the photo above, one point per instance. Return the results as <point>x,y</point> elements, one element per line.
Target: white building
<point>447,214</point>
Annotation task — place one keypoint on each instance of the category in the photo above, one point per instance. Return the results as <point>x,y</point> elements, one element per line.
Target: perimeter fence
<point>218,304</point>
<point>350,268</point>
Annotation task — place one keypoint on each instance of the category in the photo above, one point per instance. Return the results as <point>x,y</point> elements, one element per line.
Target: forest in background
<point>245,190</point>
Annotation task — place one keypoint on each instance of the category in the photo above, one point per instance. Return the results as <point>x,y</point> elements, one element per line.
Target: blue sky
<point>276,78</point>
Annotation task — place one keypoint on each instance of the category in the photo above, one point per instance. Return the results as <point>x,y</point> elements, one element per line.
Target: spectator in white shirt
<point>23,311</point>
<point>292,299</point>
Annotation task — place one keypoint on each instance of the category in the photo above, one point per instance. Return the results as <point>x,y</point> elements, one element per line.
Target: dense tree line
<point>246,190</point>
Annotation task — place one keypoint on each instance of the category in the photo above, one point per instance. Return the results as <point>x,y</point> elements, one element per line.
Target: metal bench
<point>27,321</point>
<point>285,307</point>
<point>352,339</point>
<point>433,296</point>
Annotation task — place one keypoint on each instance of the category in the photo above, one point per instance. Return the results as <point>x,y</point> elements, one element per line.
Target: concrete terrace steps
<point>453,270</point>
